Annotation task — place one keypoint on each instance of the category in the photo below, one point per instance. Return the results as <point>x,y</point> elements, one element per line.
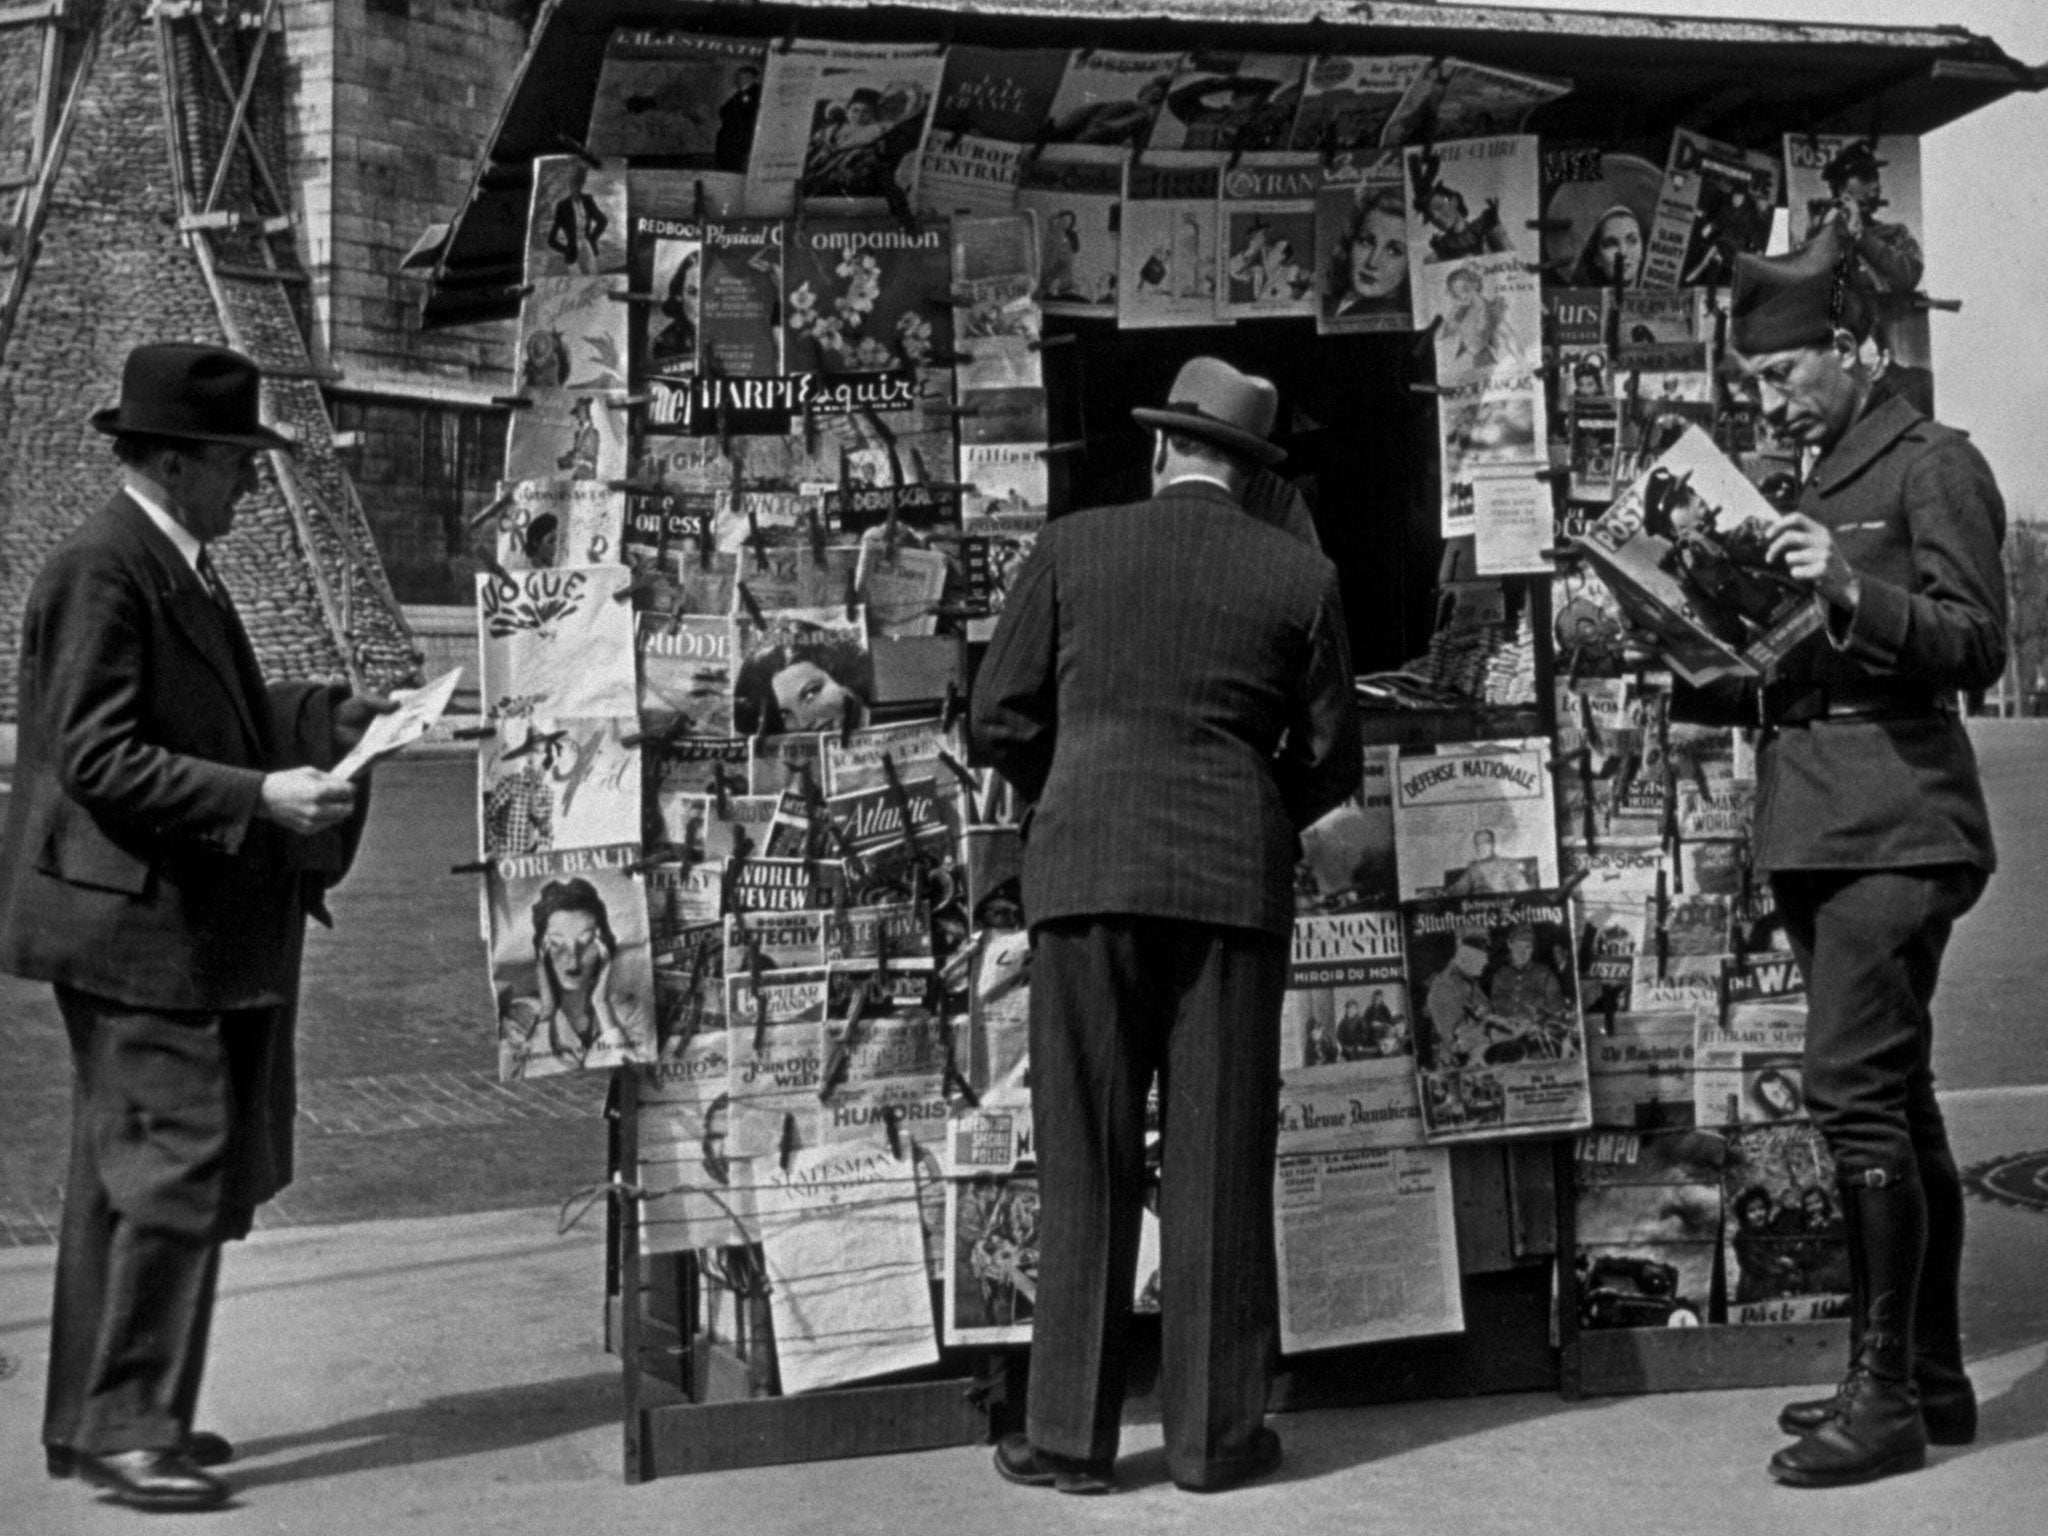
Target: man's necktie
<point>215,588</point>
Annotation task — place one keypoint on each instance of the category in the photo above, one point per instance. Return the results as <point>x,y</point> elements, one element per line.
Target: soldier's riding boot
<point>1802,1418</point>
<point>1948,1403</point>
<point>1875,1429</point>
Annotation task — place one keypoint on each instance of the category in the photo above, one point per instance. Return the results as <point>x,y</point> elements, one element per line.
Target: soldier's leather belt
<point>1796,704</point>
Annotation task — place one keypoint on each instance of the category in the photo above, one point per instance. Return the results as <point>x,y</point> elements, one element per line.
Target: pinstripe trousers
<point>1115,1000</point>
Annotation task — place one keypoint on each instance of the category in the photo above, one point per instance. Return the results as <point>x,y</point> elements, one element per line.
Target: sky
<point>1985,203</point>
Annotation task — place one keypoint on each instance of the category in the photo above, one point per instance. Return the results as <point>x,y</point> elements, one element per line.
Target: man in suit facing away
<point>170,827</point>
<point>1170,689</point>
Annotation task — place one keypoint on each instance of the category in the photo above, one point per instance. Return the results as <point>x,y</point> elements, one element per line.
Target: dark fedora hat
<point>186,390</point>
<point>1212,401</point>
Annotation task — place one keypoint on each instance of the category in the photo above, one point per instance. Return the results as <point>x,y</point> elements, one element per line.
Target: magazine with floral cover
<point>1076,196</point>
<point>685,674</point>
<point>576,221</point>
<point>1347,857</point>
<point>841,124</point>
<point>1642,1068</point>
<point>992,103</point>
<point>556,642</point>
<point>1347,1044</point>
<point>1266,253</point>
<point>1499,1046</point>
<point>1715,203</point>
<point>545,784</point>
<point>1347,100</point>
<point>1471,198</point>
<point>1647,1217</point>
<point>1229,103</point>
<point>997,321</point>
<point>558,522</point>
<point>680,97</point>
<point>1751,1048</point>
<point>569,960</point>
<point>1685,548</point>
<point>1361,245</point>
<point>867,296</point>
<point>1598,209</point>
<point>1456,99</point>
<point>1110,97</point>
<point>1787,1261</point>
<point>1168,260</point>
<point>801,669</point>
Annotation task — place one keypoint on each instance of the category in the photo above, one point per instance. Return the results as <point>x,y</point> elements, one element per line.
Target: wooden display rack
<point>1622,1361</point>
<point>699,1366</point>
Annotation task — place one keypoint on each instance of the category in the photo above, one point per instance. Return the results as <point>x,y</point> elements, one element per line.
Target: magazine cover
<point>1347,1045</point>
<point>573,335</point>
<point>773,941</point>
<point>1472,197</point>
<point>854,760</point>
<point>803,669</point>
<point>576,222</point>
<point>879,443</point>
<point>683,765</point>
<point>996,318</point>
<point>1714,204</point>
<point>1598,210</point>
<point>683,1123</point>
<point>1647,1215</point>
<point>1663,331</point>
<point>1346,100</point>
<point>1168,259</point>
<point>1454,99</point>
<point>1595,438</point>
<point>1110,97</point>
<point>775,1040</point>
<point>756,884</point>
<point>685,674</point>
<point>1752,1047</point>
<point>1586,623</point>
<point>704,828</point>
<point>1229,103</point>
<point>1490,423</point>
<point>1786,1257</point>
<point>988,562</point>
<point>1478,821</point>
<point>1514,523</point>
<point>556,643</point>
<point>778,763</point>
<point>1576,355</point>
<point>992,104</point>
<point>1499,1047</point>
<point>764,520</point>
<point>1487,317</point>
<point>861,296</point>
<point>546,784</point>
<point>1266,255</point>
<point>1641,1068</point>
<point>1366,1244</point>
<point>797,574</point>
<point>578,435</point>
<point>1656,411</point>
<point>1685,550</point>
<point>841,123</point>
<point>1361,245</point>
<point>1076,197</point>
<point>689,990</point>
<point>991,1288</point>
<point>739,337</point>
<point>1868,190</point>
<point>662,192</point>
<point>569,961</point>
<point>677,96</point>
<point>556,522</point>
<point>899,591</point>
<point>1347,857</point>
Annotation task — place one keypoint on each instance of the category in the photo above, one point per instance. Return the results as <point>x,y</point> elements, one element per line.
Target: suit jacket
<point>1170,686</point>
<point>135,866</point>
<point>1914,509</point>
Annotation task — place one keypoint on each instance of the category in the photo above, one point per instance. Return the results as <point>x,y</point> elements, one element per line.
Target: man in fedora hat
<point>170,827</point>
<point>1872,825</point>
<point>1170,688</point>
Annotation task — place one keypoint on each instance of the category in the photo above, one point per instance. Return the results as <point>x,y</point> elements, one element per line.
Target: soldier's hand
<point>1807,552</point>
<point>306,800</point>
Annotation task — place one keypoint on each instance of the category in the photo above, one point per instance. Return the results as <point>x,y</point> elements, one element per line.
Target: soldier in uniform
<point>1872,825</point>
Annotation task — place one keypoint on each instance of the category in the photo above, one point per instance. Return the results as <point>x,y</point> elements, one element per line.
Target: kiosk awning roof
<point>1748,81</point>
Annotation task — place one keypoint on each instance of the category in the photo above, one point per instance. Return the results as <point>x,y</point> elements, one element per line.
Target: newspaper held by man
<point>418,709</point>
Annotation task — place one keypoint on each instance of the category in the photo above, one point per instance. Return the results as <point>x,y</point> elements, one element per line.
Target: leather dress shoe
<point>1948,1407</point>
<point>1021,1462</point>
<point>1262,1459</point>
<point>159,1480</point>
<point>202,1447</point>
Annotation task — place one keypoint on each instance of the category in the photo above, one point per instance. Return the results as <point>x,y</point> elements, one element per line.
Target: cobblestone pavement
<point>400,1110</point>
